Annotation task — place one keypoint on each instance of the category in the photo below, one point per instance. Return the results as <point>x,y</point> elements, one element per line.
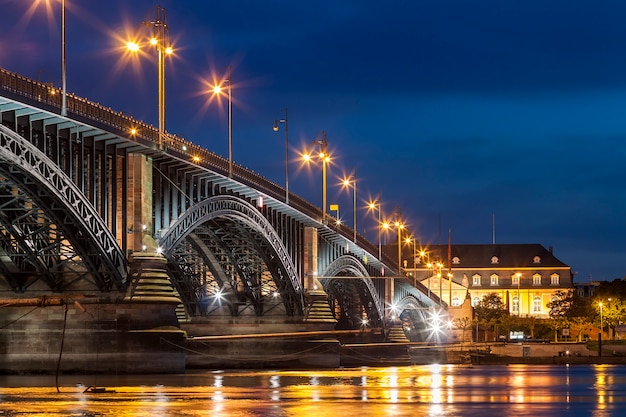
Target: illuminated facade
<point>525,276</point>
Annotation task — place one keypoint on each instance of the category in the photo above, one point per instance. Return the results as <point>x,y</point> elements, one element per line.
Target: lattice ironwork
<point>32,248</point>
<point>353,296</point>
<point>68,211</point>
<point>247,259</point>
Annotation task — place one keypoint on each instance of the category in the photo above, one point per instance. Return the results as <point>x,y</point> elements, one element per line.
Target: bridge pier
<point>317,309</point>
<point>96,333</point>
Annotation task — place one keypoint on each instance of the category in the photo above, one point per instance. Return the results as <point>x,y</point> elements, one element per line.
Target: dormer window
<point>494,260</point>
<point>476,280</point>
<point>555,279</point>
<point>456,260</point>
<point>494,280</point>
<point>537,260</point>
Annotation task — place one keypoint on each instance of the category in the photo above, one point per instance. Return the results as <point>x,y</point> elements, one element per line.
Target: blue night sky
<point>458,112</point>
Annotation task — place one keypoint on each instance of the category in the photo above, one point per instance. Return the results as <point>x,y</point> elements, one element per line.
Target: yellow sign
<point>334,207</point>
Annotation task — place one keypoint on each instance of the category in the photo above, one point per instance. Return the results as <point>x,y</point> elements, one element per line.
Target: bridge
<point>105,214</point>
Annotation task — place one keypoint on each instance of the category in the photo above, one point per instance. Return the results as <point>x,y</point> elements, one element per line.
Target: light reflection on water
<point>436,390</point>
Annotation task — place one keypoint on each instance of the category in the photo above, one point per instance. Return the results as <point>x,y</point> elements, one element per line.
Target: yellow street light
<point>63,55</point>
<point>351,182</point>
<point>375,205</point>
<point>161,41</point>
<point>219,90</point>
<point>408,241</point>
<point>398,226</point>
<point>324,157</point>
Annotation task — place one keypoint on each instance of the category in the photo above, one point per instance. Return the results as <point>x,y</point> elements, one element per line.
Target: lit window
<point>536,279</point>
<point>494,279</point>
<point>475,301</point>
<point>515,279</point>
<point>494,260</point>
<point>554,279</point>
<point>515,306</point>
<point>536,260</point>
<point>476,280</point>
<point>537,304</point>
<point>456,301</point>
<point>456,260</point>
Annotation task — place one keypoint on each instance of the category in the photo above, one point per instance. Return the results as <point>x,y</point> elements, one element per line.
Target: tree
<point>560,310</point>
<point>561,304</point>
<point>462,323</point>
<point>490,310</point>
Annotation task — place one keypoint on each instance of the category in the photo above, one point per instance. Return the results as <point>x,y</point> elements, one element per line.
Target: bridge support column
<point>396,331</point>
<point>317,307</point>
<point>139,213</point>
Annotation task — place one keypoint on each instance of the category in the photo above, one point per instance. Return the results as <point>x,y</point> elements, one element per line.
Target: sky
<point>482,120</point>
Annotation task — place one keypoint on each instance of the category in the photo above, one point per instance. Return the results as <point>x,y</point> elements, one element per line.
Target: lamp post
<point>63,65</point>
<point>325,158</point>
<point>425,256</point>
<point>286,122</point>
<point>375,205</point>
<point>601,322</point>
<point>399,226</point>
<point>351,182</point>
<point>160,40</point>
<point>414,240</point>
<point>519,299</point>
<point>218,89</point>
<point>436,268</point>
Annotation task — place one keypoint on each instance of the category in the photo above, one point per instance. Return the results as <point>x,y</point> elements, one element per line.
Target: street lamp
<point>519,300</point>
<point>601,323</point>
<point>399,226</point>
<point>63,65</point>
<point>351,182</point>
<point>325,158</point>
<point>286,122</point>
<point>408,240</point>
<point>218,89</point>
<point>375,205</point>
<point>161,41</point>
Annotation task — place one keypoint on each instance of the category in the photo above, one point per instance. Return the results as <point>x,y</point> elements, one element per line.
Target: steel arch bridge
<point>80,194</point>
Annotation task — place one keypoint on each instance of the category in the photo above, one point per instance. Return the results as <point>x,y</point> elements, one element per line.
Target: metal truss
<point>352,295</point>
<point>69,218</point>
<point>32,247</point>
<point>241,250</point>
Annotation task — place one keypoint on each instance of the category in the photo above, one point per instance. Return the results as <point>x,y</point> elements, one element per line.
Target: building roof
<point>494,256</point>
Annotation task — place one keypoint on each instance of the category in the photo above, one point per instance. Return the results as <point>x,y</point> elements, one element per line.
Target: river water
<point>429,390</point>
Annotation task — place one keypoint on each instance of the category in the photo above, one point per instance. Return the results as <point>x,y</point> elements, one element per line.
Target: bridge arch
<point>352,293</point>
<point>64,214</point>
<point>241,253</point>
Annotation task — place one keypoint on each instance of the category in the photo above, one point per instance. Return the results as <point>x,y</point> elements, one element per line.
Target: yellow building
<point>525,276</point>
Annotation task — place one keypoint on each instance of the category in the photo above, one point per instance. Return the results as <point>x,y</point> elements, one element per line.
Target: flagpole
<point>449,267</point>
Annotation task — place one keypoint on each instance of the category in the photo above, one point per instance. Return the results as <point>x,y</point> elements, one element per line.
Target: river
<point>429,390</point>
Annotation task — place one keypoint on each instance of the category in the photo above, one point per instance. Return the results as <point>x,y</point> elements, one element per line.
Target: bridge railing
<point>46,96</point>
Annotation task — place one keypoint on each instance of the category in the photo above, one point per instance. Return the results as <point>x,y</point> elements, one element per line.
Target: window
<point>456,260</point>
<point>536,260</point>
<point>494,260</point>
<point>515,279</point>
<point>537,304</point>
<point>475,301</point>
<point>494,279</point>
<point>456,301</point>
<point>537,279</point>
<point>554,279</point>
<point>476,280</point>
<point>515,307</point>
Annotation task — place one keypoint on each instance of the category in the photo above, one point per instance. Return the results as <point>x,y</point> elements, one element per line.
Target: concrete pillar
<point>139,214</point>
<point>317,308</point>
